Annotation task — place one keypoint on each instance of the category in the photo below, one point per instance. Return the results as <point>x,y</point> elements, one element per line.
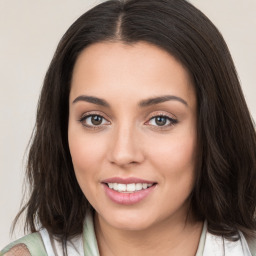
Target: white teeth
<point>139,186</point>
<point>121,187</point>
<point>132,187</point>
<point>144,185</point>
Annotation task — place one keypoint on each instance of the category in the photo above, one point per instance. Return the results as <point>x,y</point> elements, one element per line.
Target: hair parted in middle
<point>224,192</point>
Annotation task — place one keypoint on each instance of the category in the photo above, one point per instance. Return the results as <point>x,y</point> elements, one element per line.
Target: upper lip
<point>126,180</point>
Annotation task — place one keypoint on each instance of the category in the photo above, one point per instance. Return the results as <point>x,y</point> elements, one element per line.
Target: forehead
<point>140,70</point>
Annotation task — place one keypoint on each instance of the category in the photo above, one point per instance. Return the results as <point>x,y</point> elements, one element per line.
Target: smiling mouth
<point>129,188</point>
<point>128,191</point>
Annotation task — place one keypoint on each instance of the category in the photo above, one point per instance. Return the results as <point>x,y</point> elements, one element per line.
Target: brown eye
<point>96,120</point>
<point>92,121</point>
<point>160,120</point>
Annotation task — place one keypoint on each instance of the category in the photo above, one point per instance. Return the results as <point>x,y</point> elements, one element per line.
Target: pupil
<point>161,120</point>
<point>96,120</point>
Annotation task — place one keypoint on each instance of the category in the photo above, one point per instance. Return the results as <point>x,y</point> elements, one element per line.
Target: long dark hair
<point>225,189</point>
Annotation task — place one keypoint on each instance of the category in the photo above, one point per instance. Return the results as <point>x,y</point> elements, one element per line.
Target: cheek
<point>175,161</point>
<point>175,155</point>
<point>86,153</point>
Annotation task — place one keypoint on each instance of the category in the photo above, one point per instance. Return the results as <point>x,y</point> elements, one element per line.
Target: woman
<point>143,140</point>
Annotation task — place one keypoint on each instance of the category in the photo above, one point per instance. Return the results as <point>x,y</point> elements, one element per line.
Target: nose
<point>125,147</point>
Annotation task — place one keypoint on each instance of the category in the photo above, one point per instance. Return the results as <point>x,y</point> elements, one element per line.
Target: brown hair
<point>225,189</point>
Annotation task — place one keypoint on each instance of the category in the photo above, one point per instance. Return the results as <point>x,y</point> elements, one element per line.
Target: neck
<point>169,237</point>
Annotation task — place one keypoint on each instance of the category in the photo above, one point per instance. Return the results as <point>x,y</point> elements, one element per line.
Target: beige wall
<point>29,32</point>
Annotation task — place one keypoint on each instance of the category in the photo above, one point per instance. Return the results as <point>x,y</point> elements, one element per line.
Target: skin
<point>129,142</point>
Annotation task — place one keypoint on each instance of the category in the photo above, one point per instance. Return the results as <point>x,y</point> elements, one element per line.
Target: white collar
<point>213,245</point>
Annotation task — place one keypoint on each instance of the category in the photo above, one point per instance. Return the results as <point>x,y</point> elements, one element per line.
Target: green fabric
<point>89,237</point>
<point>33,242</point>
<point>252,246</point>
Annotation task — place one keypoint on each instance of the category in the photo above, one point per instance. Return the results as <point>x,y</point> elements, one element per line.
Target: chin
<point>133,225</point>
<point>130,221</point>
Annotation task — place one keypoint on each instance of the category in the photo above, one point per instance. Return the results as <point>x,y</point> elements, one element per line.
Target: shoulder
<point>17,250</point>
<point>211,244</point>
<point>252,245</point>
<point>28,245</point>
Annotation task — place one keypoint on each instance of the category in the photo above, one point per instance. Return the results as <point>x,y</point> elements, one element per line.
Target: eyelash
<point>170,119</point>
<point>84,117</point>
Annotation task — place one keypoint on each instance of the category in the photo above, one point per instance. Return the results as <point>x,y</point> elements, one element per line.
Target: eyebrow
<point>143,103</point>
<point>160,99</point>
<point>92,99</point>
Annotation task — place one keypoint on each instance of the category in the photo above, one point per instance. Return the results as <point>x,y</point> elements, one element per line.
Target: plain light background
<point>29,33</point>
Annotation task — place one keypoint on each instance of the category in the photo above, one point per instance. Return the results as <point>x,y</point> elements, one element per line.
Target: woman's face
<point>132,134</point>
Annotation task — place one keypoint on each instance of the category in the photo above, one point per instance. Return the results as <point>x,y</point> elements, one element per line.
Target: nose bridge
<point>125,148</point>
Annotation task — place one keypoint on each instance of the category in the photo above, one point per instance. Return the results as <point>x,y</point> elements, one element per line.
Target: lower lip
<point>127,198</point>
